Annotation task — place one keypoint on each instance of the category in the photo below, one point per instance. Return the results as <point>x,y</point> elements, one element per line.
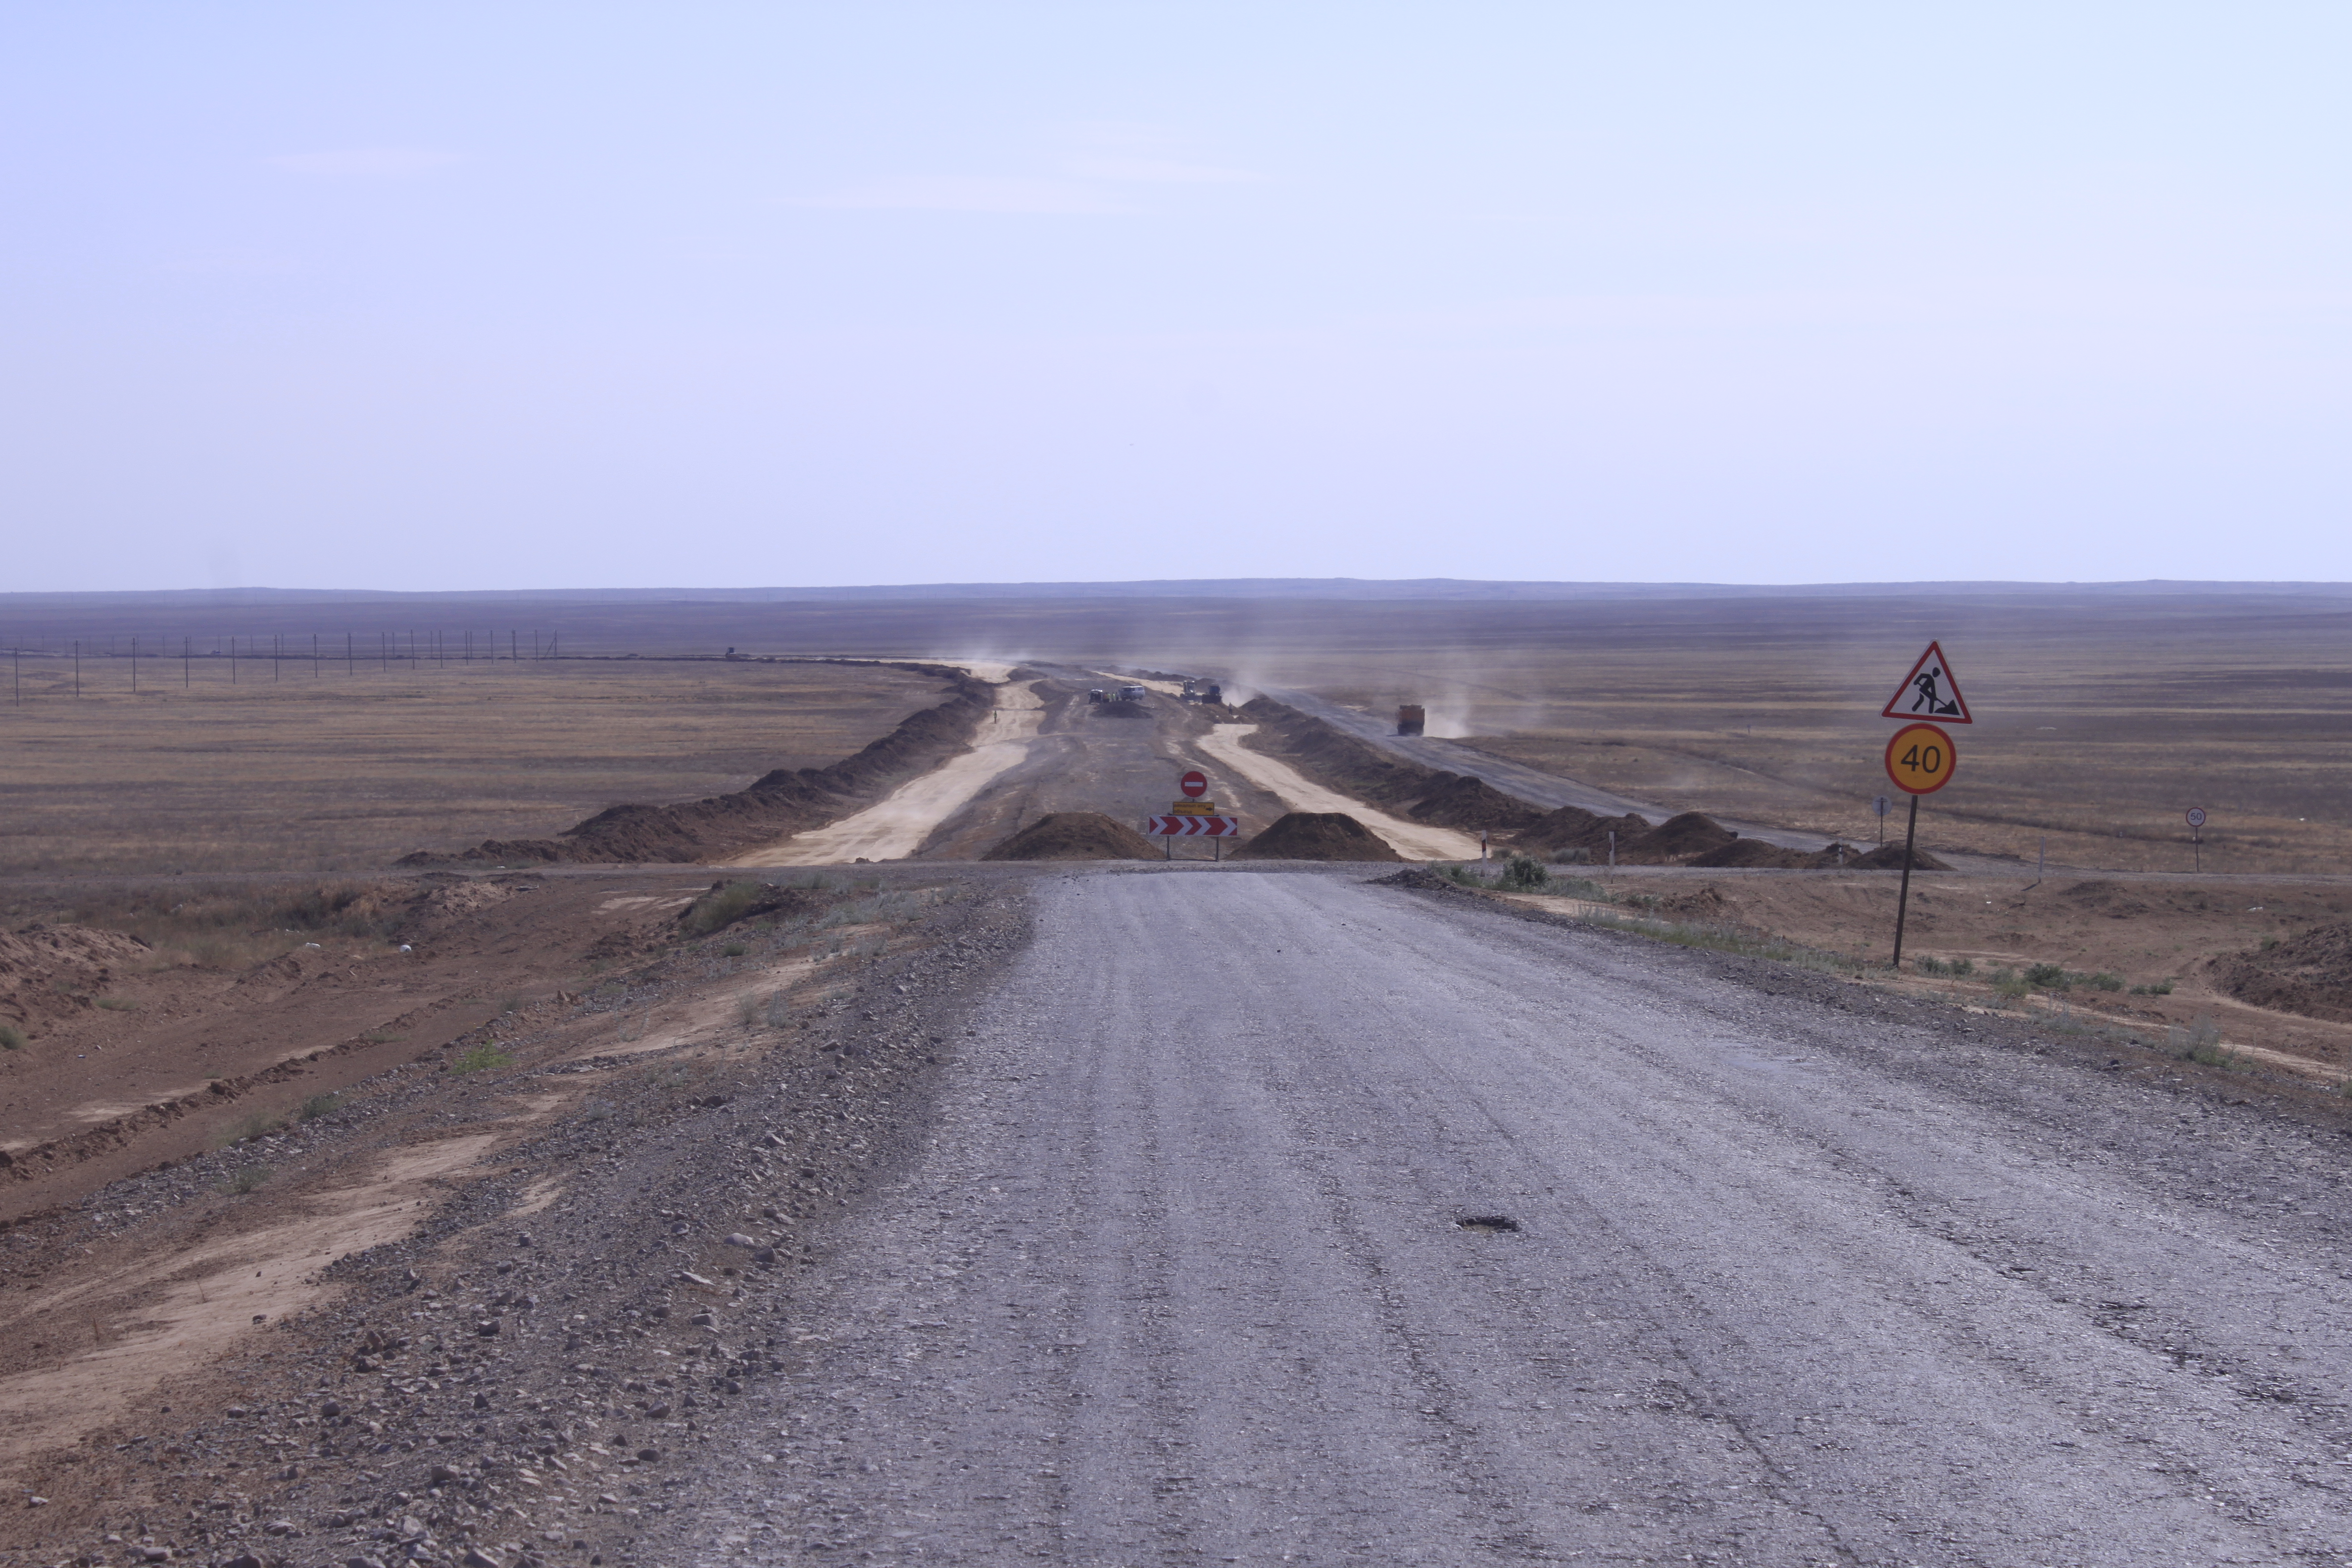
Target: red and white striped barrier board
<point>1193,827</point>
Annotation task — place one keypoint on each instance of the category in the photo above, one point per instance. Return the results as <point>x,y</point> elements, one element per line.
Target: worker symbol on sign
<point>1926,681</point>
<point>1929,691</point>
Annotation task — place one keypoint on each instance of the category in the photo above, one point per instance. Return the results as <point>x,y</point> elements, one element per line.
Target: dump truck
<point>1411,718</point>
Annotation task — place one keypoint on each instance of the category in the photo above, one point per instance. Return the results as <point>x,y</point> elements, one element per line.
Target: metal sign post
<point>1879,803</point>
<point>2197,837</point>
<point>1919,760</point>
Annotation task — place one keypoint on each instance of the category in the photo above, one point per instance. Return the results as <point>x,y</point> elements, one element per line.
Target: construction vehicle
<point>1412,720</point>
<point>1131,694</point>
<point>1097,695</point>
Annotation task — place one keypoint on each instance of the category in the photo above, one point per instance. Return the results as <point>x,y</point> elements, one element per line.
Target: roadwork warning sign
<point>1929,691</point>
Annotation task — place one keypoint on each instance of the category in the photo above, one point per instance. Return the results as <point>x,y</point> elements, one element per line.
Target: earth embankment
<point>778,804</point>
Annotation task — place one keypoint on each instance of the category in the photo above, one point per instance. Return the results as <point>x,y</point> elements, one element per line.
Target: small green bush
<point>1963,968</point>
<point>118,1004</point>
<point>245,1178</point>
<point>481,1058</point>
<point>2048,978</point>
<point>2007,983</point>
<point>319,1105</point>
<point>1931,966</point>
<point>2155,988</point>
<point>1524,874</point>
<point>719,908</point>
<point>2103,982</point>
<point>12,1038</point>
<point>733,950</point>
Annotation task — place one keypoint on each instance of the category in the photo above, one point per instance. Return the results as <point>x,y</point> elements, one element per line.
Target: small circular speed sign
<point>1920,759</point>
<point>2195,816</point>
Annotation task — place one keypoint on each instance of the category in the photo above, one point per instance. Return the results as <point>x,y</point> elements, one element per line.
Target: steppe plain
<point>296,1105</point>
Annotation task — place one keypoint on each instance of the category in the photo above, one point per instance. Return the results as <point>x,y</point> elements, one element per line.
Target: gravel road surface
<point>1802,1274</point>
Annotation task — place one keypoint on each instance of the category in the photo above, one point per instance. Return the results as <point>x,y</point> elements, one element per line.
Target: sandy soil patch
<point>897,826</point>
<point>158,1316</point>
<point>1413,840</point>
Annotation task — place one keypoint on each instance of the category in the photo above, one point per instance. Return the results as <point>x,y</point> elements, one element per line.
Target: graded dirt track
<point>1425,1236</point>
<point>1413,840</point>
<point>898,826</point>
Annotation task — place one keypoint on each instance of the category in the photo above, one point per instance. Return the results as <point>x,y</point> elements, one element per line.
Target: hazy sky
<point>482,295</point>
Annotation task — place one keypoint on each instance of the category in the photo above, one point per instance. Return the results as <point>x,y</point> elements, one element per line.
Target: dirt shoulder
<point>482,1301</point>
<point>2122,959</point>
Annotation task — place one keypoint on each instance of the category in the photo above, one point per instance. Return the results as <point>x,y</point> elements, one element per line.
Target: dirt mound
<point>1075,836</point>
<point>1697,904</point>
<point>1572,828</point>
<point>2310,974</point>
<point>48,971</point>
<point>1317,835</point>
<point>1461,800</point>
<point>1891,859</point>
<point>1755,852</point>
<point>1679,837</point>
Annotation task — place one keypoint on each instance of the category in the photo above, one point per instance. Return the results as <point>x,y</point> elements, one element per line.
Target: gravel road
<point>1802,1274</point>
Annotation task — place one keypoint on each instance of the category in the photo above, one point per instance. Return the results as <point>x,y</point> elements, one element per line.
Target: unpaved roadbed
<point>1802,1273</point>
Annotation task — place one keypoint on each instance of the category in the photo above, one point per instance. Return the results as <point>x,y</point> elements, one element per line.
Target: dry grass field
<point>350,771</point>
<point>2102,714</point>
<point>2097,726</point>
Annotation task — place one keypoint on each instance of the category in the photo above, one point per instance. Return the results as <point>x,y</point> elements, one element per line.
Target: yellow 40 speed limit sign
<point>1920,759</point>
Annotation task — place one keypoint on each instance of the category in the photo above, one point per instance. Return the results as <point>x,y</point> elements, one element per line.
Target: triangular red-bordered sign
<point>1929,691</point>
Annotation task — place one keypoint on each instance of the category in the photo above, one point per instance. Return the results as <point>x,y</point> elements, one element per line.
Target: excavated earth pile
<point>1680,838</point>
<point>1075,836</point>
<point>1572,828</point>
<point>782,802</point>
<point>50,972</point>
<point>1356,767</point>
<point>1317,835</point>
<point>2310,974</point>
<point>1462,800</point>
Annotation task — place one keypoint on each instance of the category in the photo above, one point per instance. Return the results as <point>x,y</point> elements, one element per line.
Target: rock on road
<point>1801,1275</point>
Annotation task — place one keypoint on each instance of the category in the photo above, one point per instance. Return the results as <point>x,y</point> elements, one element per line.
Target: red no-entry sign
<point>1193,784</point>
